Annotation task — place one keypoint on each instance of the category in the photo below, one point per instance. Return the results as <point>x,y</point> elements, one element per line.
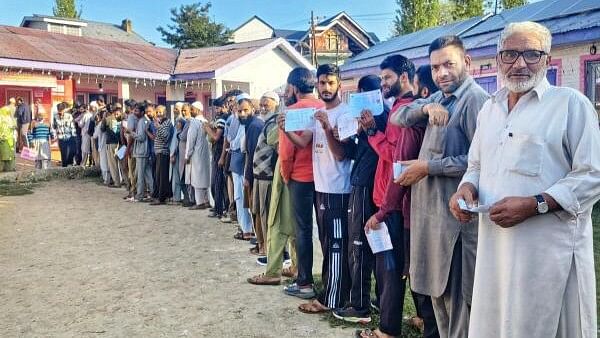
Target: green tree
<point>66,9</point>
<point>464,9</point>
<point>414,15</point>
<point>193,28</point>
<point>508,4</point>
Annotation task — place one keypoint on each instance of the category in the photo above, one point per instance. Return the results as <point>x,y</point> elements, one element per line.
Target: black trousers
<point>162,185</point>
<point>78,150</point>
<point>302,198</point>
<point>67,151</point>
<point>389,269</point>
<point>422,302</point>
<point>332,221</point>
<point>360,256</point>
<point>219,188</point>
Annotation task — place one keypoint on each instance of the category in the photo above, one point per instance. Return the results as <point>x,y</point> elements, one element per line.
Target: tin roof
<point>483,31</point>
<point>37,45</point>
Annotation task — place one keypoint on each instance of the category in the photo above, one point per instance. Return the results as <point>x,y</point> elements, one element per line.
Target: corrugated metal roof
<point>209,59</point>
<point>38,45</point>
<point>558,15</point>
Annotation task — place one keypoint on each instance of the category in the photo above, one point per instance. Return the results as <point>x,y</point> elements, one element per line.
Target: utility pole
<point>313,40</point>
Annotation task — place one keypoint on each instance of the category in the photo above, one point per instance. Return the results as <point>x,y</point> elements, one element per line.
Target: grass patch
<point>14,188</point>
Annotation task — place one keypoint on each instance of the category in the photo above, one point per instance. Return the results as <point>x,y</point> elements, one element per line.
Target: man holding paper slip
<point>297,173</point>
<point>331,169</point>
<point>442,251</point>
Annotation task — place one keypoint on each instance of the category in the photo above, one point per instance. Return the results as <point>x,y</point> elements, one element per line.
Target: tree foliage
<point>66,9</point>
<point>464,9</point>
<point>193,28</point>
<point>414,15</point>
<point>508,4</point>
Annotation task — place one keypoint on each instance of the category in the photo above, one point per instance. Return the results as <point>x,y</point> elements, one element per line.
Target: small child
<point>41,141</point>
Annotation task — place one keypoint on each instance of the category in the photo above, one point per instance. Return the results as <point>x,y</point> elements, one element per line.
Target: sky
<point>374,15</point>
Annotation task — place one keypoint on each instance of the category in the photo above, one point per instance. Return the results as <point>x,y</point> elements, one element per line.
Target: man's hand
<point>187,161</point>
<point>366,120</point>
<point>281,121</point>
<point>438,115</point>
<point>322,117</point>
<point>173,159</point>
<point>372,224</point>
<point>246,183</point>
<point>336,133</point>
<point>468,193</point>
<point>416,171</point>
<point>221,162</point>
<point>511,211</point>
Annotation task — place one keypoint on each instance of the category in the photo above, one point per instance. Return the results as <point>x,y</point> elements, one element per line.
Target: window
<point>52,28</point>
<point>70,30</point>
<point>332,40</point>
<point>489,83</point>
<point>592,83</point>
<point>81,98</point>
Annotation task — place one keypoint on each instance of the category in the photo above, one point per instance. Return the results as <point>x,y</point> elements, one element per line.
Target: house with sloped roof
<point>36,64</point>
<point>336,38</point>
<point>575,60</point>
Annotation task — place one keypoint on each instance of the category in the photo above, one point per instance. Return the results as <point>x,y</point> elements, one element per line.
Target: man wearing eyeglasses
<point>534,160</point>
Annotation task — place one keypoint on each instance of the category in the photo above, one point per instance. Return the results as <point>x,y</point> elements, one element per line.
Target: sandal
<point>289,273</point>
<point>313,307</point>
<point>264,280</point>
<point>366,333</point>
<point>240,236</point>
<point>255,251</point>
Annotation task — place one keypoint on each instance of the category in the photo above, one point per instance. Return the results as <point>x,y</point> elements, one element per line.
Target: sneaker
<point>351,315</point>
<point>253,241</point>
<point>296,291</point>
<point>226,219</point>
<point>262,261</point>
<point>214,215</point>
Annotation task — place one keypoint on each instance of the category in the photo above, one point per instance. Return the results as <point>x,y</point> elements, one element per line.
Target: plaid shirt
<point>63,128</point>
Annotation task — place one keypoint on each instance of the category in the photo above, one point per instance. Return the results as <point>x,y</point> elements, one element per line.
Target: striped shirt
<point>41,131</point>
<point>64,127</point>
<point>161,141</point>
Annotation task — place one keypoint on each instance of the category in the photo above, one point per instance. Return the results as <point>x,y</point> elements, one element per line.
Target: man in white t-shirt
<point>331,170</point>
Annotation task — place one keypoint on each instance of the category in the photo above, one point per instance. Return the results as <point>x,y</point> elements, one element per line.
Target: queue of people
<point>489,217</point>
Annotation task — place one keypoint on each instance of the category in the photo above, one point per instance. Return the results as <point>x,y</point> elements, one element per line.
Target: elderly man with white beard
<point>534,160</point>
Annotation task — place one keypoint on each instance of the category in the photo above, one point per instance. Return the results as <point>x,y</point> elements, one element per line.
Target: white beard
<point>524,86</point>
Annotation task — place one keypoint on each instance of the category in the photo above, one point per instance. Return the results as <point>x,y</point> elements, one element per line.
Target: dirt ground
<point>78,261</point>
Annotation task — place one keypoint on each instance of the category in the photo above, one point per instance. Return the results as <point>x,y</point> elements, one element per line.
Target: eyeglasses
<point>529,56</point>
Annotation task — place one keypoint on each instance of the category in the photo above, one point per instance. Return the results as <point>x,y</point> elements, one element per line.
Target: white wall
<point>268,71</point>
<point>253,30</point>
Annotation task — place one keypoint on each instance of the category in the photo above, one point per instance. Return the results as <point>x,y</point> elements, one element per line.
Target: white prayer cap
<point>94,104</point>
<point>272,95</point>
<point>198,105</point>
<point>179,105</point>
<point>242,96</point>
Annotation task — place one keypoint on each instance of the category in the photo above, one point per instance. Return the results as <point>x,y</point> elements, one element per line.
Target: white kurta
<point>549,142</point>
<point>198,152</point>
<point>84,124</point>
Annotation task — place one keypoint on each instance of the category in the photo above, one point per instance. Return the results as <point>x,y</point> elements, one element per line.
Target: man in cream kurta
<point>534,275</point>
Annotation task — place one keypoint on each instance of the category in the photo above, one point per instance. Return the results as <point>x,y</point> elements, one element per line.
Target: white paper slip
<point>121,152</point>
<point>347,126</point>
<point>379,240</point>
<point>478,209</point>
<point>371,100</point>
<point>299,119</point>
<point>398,169</point>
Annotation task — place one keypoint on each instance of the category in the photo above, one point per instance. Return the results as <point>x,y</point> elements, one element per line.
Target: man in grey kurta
<point>141,153</point>
<point>197,155</point>
<point>534,161</point>
<point>442,250</point>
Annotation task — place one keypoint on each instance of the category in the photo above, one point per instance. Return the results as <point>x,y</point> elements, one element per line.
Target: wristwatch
<point>542,206</point>
<point>371,131</point>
